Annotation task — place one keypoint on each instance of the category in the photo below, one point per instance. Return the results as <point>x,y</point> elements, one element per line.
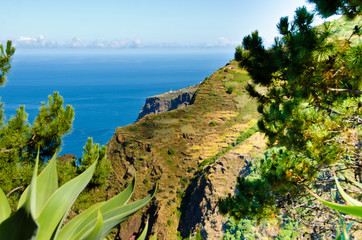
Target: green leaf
<point>354,182</point>
<point>144,233</point>
<point>83,220</point>
<point>57,207</point>
<point>346,197</point>
<point>44,191</point>
<point>352,210</point>
<point>5,209</point>
<point>114,216</point>
<point>344,234</point>
<point>71,228</point>
<point>22,224</point>
<point>19,226</point>
<point>350,225</point>
<point>96,232</point>
<point>30,202</point>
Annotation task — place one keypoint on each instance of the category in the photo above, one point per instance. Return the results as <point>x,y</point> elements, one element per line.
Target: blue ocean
<point>107,88</point>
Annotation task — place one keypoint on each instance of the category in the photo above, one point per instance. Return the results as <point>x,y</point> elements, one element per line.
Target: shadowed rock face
<point>199,208</point>
<point>168,101</point>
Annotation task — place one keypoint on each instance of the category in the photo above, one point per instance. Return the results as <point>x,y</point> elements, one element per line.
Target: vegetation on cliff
<point>175,148</point>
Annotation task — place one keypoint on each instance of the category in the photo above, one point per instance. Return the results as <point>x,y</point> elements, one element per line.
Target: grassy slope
<point>168,148</point>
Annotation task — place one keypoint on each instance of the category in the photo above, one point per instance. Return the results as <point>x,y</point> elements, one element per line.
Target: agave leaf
<point>22,224</point>
<point>346,197</point>
<point>115,216</point>
<point>352,210</point>
<point>5,209</point>
<point>350,225</point>
<point>344,234</point>
<point>49,179</point>
<point>96,232</point>
<point>30,202</point>
<point>81,220</point>
<point>354,182</point>
<point>112,217</point>
<point>144,233</point>
<point>85,218</point>
<point>57,207</point>
<point>19,226</point>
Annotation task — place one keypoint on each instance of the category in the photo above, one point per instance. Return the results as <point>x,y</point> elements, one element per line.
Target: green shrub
<point>230,90</point>
<point>212,124</point>
<point>92,152</point>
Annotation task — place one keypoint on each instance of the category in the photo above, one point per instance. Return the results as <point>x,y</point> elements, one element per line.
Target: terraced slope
<point>172,147</point>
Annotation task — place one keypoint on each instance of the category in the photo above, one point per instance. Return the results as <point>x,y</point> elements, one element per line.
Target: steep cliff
<point>176,147</point>
<point>168,101</point>
<point>199,205</point>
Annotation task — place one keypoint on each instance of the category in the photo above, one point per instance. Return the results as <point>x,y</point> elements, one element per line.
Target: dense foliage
<point>308,85</point>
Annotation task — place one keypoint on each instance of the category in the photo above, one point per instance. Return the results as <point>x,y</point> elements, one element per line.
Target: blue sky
<point>140,23</point>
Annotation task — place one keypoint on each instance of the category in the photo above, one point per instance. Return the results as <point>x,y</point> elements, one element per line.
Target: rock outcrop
<point>168,101</point>
<point>199,206</point>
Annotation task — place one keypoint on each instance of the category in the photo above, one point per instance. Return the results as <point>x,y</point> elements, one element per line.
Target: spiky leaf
<point>44,191</point>
<point>57,207</point>
<point>4,207</point>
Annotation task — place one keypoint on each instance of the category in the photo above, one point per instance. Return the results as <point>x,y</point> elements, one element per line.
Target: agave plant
<point>354,208</point>
<point>43,207</point>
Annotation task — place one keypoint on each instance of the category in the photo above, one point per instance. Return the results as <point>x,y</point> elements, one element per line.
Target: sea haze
<point>106,88</point>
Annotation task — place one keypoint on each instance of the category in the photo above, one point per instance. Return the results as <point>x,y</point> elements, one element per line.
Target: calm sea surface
<point>106,88</point>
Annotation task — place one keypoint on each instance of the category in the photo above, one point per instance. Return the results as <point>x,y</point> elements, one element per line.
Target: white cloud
<point>76,42</point>
<point>25,39</point>
<point>30,42</point>
<point>42,42</point>
<point>222,42</point>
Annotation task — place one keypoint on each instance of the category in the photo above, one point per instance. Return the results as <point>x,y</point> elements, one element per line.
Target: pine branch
<point>345,90</point>
<point>6,150</point>
<point>328,109</point>
<point>15,189</point>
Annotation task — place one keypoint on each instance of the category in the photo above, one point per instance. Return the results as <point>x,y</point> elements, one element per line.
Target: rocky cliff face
<point>199,206</point>
<point>169,148</point>
<point>168,101</point>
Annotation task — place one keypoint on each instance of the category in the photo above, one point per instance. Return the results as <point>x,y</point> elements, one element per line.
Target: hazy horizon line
<point>77,43</point>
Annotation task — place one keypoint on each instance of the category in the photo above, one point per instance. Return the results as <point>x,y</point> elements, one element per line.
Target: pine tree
<point>20,141</point>
<point>91,153</point>
<point>327,8</point>
<point>311,109</point>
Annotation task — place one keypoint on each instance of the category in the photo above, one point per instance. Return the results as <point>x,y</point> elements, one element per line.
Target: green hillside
<point>169,148</point>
